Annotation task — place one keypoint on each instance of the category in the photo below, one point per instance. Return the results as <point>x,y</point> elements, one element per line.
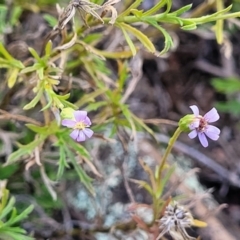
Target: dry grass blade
<point>6,115</point>
<point>66,16</point>
<point>107,6</point>
<point>114,13</point>
<point>136,70</point>
<point>68,44</point>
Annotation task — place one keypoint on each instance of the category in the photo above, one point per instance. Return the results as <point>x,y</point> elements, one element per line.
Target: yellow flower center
<point>79,125</point>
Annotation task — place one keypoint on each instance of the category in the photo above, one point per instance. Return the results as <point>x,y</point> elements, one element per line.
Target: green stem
<point>168,150</point>
<point>219,23</point>
<point>156,200</point>
<point>171,18</point>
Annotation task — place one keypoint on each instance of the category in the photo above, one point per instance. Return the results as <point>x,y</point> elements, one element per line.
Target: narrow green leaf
<point>64,97</point>
<point>93,37</point>
<point>13,215</point>
<point>143,184</point>
<point>95,106</point>
<point>143,125</point>
<point>37,129</point>
<point>114,55</point>
<point>52,21</point>
<point>8,171</point>
<point>128,116</point>
<point>62,162</point>
<point>5,53</point>
<point>21,216</point>
<point>24,150</point>
<point>168,40</point>
<point>48,48</point>
<point>68,104</point>
<point>4,200</point>
<point>128,10</point>
<point>137,13</point>
<point>129,42</point>
<point>231,106</point>
<point>35,100</point>
<point>155,8</point>
<point>140,36</point>
<point>40,73</point>
<point>79,148</point>
<point>164,181</point>
<point>226,85</point>
<point>33,68</point>
<point>16,13</point>
<point>85,179</point>
<point>13,74</point>
<point>48,105</point>
<point>213,17</point>
<point>4,62</point>
<point>8,208</point>
<point>90,97</point>
<point>189,27</point>
<point>35,54</point>
<point>182,10</point>
<point>169,6</point>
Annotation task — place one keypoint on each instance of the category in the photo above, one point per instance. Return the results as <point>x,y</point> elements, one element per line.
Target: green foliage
<point>107,99</point>
<point>7,171</point>
<point>231,106</point>
<point>150,17</point>
<point>9,218</point>
<point>55,78</point>
<point>52,21</point>
<point>229,87</point>
<point>66,157</point>
<point>12,65</point>
<point>13,20</point>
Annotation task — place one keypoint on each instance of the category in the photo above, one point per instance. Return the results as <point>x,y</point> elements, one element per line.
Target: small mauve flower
<point>80,125</point>
<point>200,126</point>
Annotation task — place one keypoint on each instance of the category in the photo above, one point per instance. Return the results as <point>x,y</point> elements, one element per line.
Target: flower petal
<point>212,135</point>
<point>74,134</point>
<point>193,134</point>
<point>80,115</point>
<point>212,115</point>
<point>212,129</point>
<point>87,121</point>
<point>194,124</point>
<point>195,110</point>
<point>88,132</point>
<point>68,123</point>
<point>81,136</point>
<point>203,140</point>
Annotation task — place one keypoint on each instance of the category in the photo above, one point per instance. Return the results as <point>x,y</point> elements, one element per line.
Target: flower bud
<point>67,113</point>
<point>185,122</point>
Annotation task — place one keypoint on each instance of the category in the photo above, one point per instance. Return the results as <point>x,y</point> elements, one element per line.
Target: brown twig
<point>161,121</point>
<point>7,115</point>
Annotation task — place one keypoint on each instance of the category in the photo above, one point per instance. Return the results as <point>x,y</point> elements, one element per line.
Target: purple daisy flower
<point>80,125</point>
<point>201,128</point>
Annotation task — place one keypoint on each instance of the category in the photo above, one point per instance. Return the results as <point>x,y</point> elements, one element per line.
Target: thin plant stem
<point>168,150</point>
<point>170,18</point>
<point>156,205</point>
<point>219,23</point>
